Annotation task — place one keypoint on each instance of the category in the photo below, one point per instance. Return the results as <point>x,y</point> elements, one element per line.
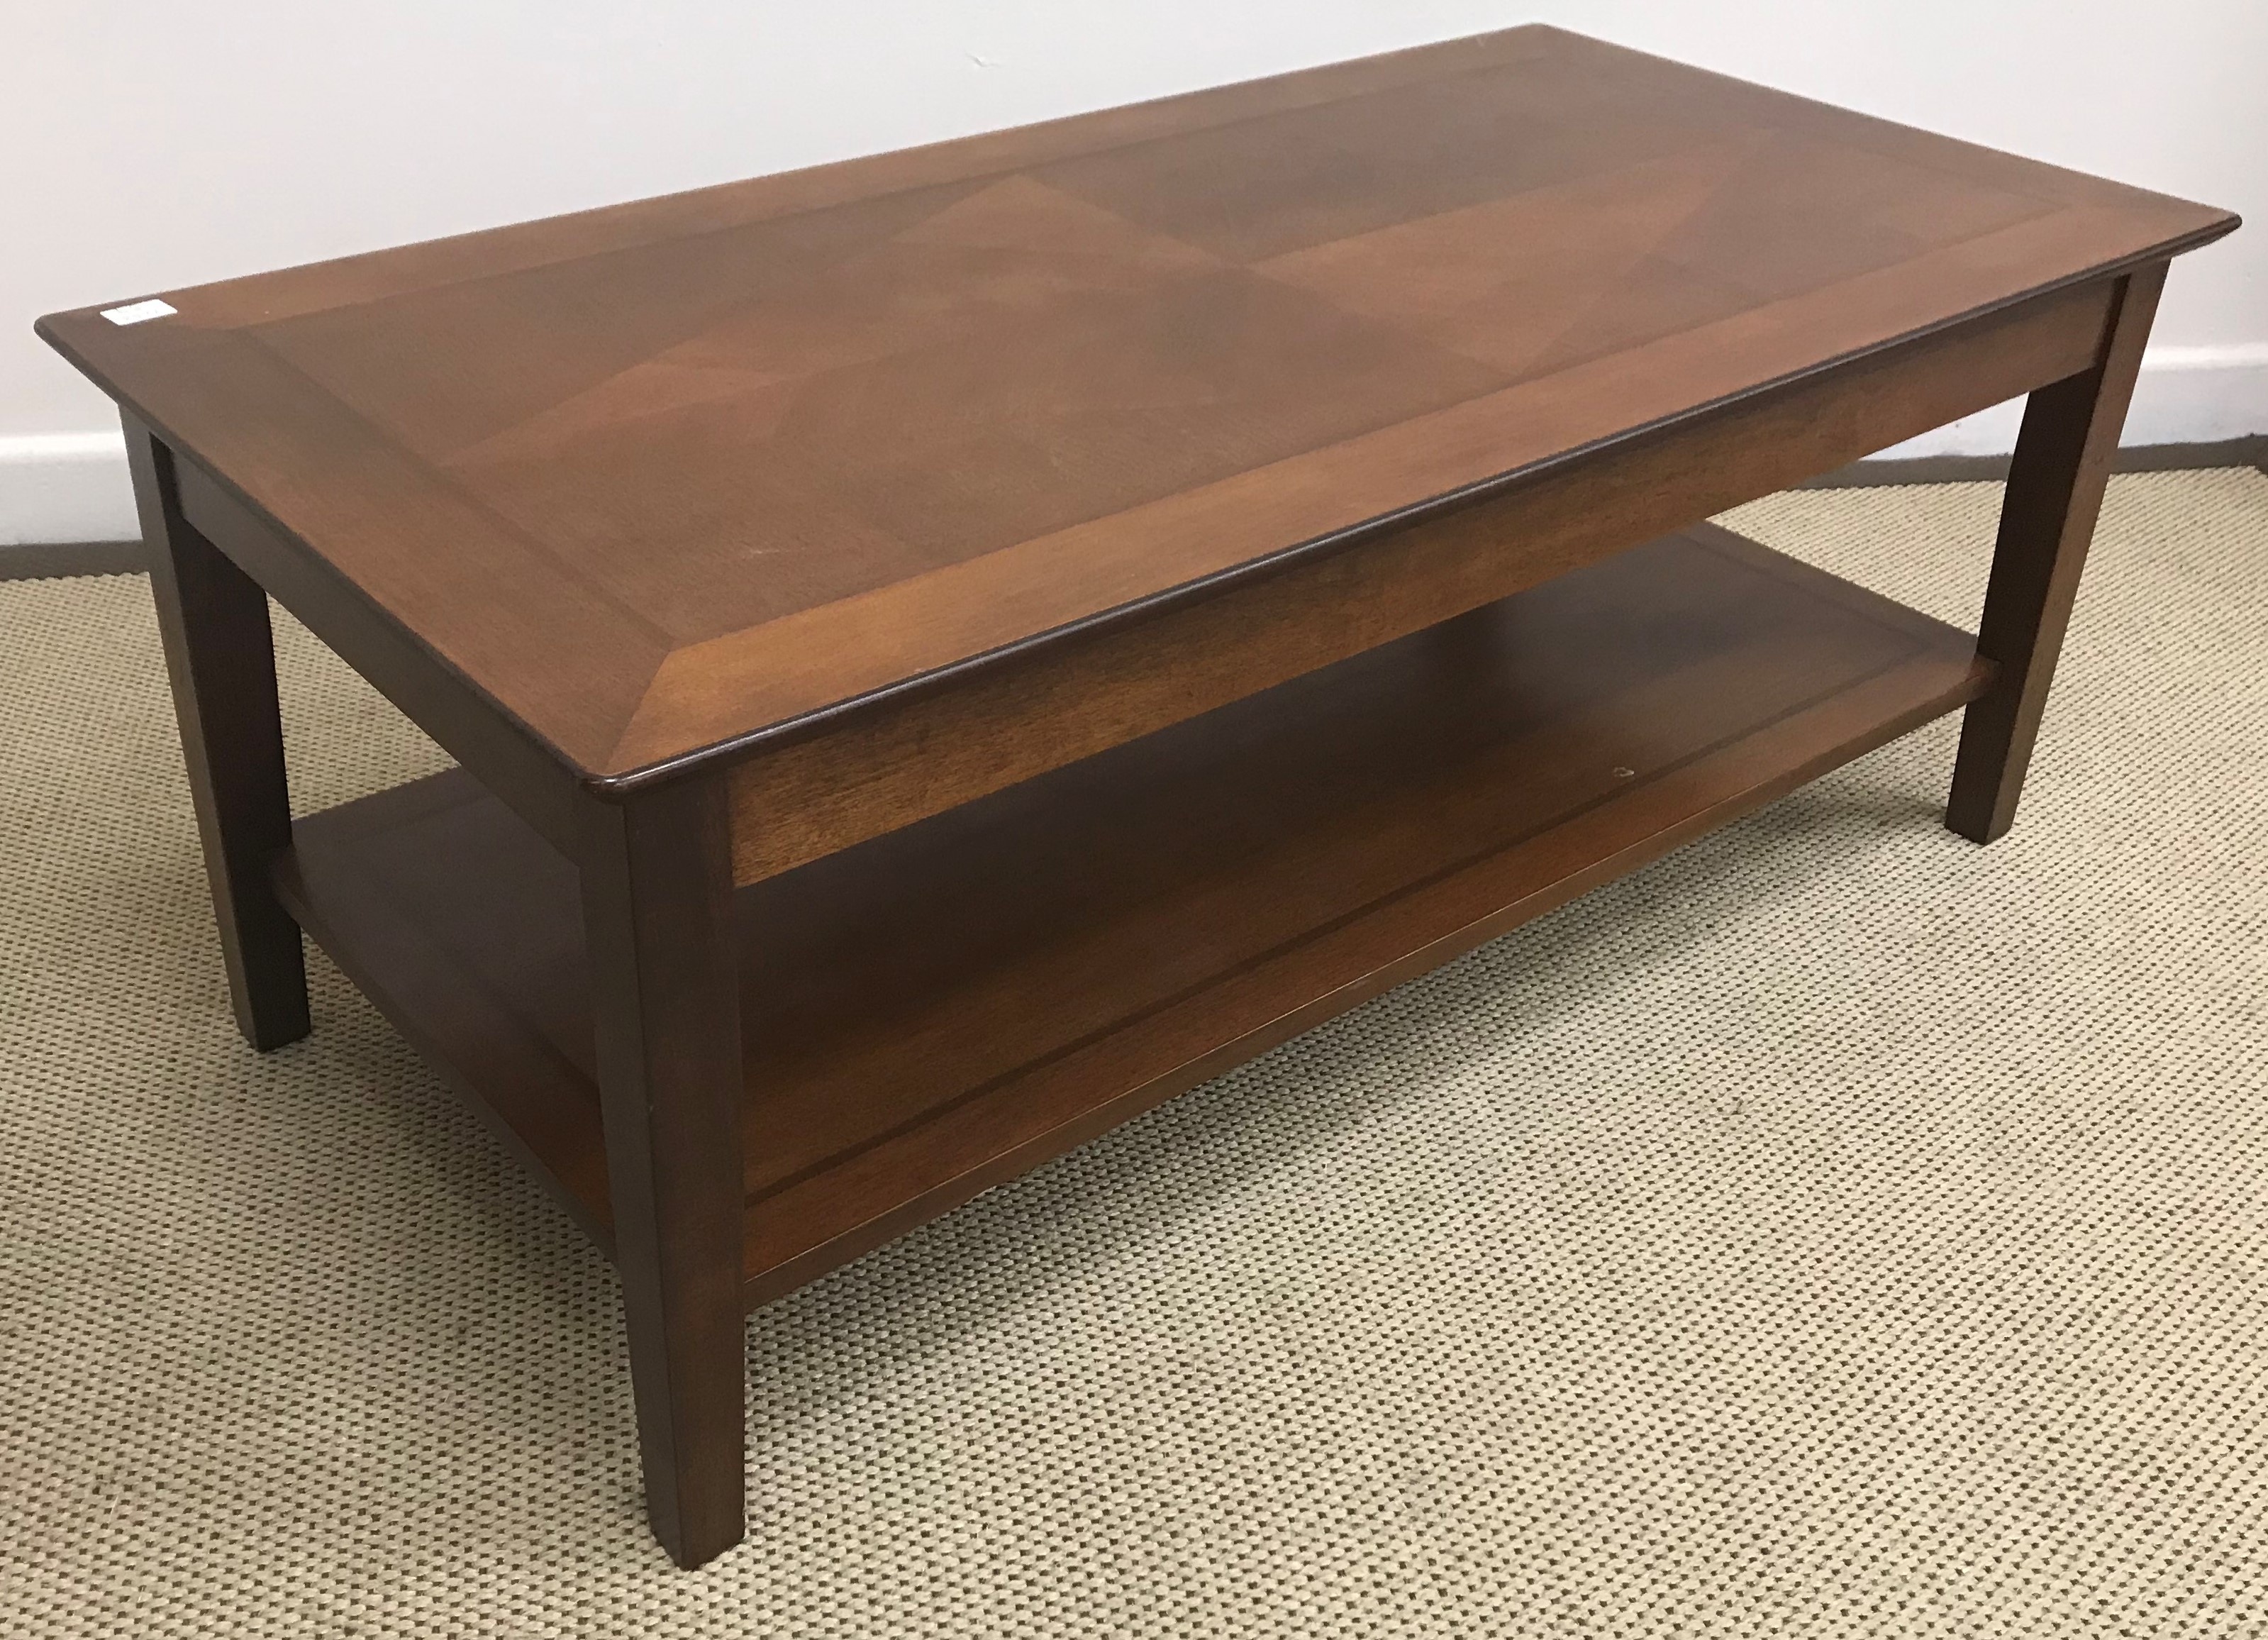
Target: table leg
<point>212,618</point>
<point>657,906</point>
<point>2047,519</point>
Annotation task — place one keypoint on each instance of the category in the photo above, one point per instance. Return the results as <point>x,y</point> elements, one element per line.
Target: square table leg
<point>2056,481</point>
<point>220,654</point>
<point>657,907</point>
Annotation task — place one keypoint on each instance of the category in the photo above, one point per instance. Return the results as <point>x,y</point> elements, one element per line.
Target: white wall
<point>151,145</point>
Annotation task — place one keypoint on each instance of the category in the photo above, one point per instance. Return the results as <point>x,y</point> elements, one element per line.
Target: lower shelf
<point>939,1009</point>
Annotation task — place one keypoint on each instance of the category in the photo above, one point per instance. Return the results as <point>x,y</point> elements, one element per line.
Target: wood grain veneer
<point>948,649</point>
<point>664,480</point>
<point>940,1008</point>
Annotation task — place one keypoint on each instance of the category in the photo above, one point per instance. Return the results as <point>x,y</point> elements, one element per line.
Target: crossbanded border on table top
<point>664,477</point>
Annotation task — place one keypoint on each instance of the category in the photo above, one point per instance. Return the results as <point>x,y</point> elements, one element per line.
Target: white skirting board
<point>2185,395</point>
<point>57,487</point>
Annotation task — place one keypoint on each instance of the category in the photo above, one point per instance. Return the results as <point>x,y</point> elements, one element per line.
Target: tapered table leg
<point>657,899</point>
<point>2047,519</point>
<point>220,654</point>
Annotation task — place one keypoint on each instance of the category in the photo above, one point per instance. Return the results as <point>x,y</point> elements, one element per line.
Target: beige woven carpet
<point>1836,1230</point>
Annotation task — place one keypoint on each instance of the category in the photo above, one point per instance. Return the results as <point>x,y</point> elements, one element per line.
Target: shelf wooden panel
<point>942,1008</point>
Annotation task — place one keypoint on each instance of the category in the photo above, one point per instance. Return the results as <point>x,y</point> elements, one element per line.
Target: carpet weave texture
<point>1836,1228</point>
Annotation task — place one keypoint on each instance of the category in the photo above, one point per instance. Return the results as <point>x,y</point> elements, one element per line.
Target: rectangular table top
<point>674,475</point>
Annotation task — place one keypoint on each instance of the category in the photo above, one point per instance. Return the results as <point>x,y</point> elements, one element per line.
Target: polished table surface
<point>950,650</point>
<point>664,479</point>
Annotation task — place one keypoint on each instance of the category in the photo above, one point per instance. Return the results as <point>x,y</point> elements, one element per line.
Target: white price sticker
<point>135,313</point>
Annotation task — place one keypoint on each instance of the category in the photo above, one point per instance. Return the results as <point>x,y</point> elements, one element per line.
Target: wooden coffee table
<point>948,650</point>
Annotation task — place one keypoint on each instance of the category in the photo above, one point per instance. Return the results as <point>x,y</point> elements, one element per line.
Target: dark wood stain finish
<point>949,649</point>
<point>942,1007</point>
<point>212,619</point>
<point>656,895</point>
<point>2056,481</point>
<point>921,754</point>
<point>670,477</point>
